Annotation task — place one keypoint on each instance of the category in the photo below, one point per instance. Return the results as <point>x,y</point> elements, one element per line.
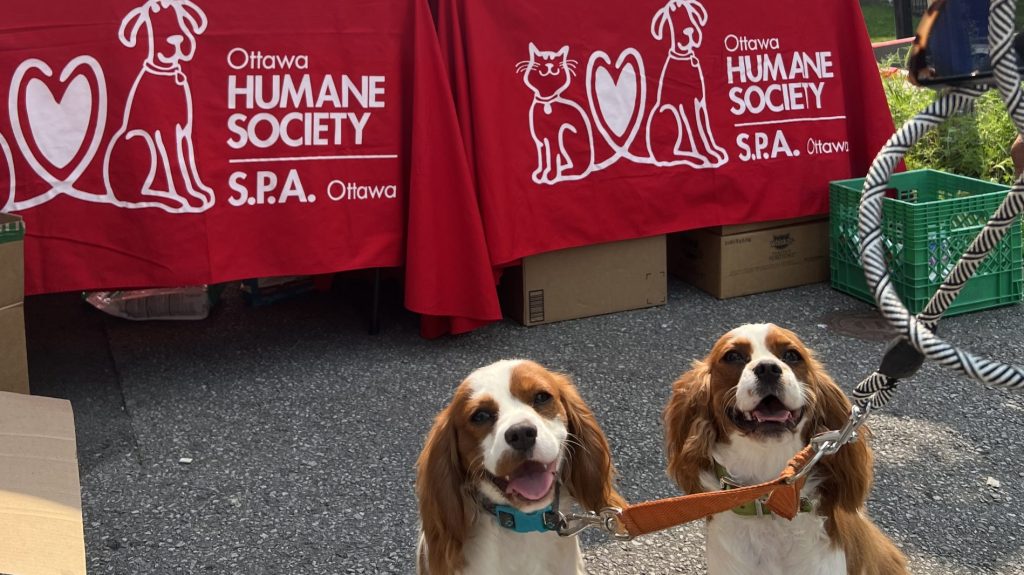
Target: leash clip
<point>829,442</point>
<point>608,519</point>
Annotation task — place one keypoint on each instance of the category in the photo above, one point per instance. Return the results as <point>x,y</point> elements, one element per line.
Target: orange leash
<point>783,499</point>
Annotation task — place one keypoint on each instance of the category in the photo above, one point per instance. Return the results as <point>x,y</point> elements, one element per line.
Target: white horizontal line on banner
<point>313,158</point>
<point>790,121</point>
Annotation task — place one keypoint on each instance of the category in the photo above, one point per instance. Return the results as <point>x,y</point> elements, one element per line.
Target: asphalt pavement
<point>303,429</point>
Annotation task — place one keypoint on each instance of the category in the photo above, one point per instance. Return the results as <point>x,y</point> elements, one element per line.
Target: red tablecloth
<point>589,122</point>
<point>170,142</point>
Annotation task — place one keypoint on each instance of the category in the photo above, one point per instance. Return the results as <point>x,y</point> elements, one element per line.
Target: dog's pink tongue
<point>772,409</point>
<point>531,481</point>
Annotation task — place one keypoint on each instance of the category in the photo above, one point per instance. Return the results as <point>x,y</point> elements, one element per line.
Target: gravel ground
<point>303,429</point>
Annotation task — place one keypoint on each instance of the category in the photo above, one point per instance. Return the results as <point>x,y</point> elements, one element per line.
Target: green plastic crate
<point>930,218</point>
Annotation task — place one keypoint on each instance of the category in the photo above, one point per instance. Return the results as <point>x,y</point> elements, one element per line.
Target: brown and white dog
<point>517,437</point>
<point>742,412</point>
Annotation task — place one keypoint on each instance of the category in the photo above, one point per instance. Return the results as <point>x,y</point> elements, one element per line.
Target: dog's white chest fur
<point>741,545</point>
<point>493,550</point>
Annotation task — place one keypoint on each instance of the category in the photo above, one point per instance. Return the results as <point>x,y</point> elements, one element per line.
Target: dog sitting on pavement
<point>516,447</point>
<point>737,418</point>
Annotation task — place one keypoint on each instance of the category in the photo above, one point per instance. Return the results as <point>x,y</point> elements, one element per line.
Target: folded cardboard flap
<point>40,497</point>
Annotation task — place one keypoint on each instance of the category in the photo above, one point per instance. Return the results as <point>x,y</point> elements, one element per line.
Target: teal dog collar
<point>547,519</point>
<point>515,520</point>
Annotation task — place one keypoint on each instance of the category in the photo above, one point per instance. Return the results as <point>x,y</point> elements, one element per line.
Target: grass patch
<point>975,144</point>
<point>881,20</point>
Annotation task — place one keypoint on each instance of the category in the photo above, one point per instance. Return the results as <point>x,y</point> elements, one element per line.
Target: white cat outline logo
<point>554,119</point>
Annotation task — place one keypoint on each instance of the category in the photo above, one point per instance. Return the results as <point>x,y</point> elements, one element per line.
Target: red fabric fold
<point>450,280</point>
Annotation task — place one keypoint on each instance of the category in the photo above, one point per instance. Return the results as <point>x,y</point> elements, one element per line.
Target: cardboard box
<point>40,497</point>
<point>586,281</point>
<point>13,357</point>
<point>741,260</point>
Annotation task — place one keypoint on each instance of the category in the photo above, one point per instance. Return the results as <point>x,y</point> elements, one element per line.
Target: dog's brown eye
<point>541,398</point>
<point>481,416</point>
<point>734,357</point>
<point>791,356</point>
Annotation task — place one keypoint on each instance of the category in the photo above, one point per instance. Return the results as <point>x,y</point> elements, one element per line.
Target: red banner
<point>170,142</point>
<point>591,122</point>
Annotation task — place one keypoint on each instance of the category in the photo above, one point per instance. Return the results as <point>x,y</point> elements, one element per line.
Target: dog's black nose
<point>521,437</point>
<point>769,377</point>
<point>768,370</point>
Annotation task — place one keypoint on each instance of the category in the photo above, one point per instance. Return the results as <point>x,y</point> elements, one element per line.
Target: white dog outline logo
<point>685,114</point>
<point>160,141</point>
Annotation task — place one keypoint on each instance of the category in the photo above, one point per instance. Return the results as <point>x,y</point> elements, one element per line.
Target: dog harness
<point>755,508</point>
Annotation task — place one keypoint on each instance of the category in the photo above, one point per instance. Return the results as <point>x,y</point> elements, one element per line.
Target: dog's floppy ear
<point>690,431</point>
<point>698,13</point>
<point>129,31</point>
<point>847,473</point>
<point>439,488</point>
<point>658,22</point>
<point>192,15</point>
<point>588,473</point>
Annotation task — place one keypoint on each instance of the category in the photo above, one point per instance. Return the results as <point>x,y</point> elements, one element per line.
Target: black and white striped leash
<point>917,340</point>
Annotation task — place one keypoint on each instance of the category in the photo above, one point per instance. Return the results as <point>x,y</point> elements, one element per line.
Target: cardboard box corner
<point>586,281</point>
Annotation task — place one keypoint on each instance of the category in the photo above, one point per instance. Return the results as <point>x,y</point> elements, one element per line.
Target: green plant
<point>975,144</point>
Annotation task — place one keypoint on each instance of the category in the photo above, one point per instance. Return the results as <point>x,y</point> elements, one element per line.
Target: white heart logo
<point>617,95</point>
<point>54,133</point>
<point>59,127</point>
<point>616,99</point>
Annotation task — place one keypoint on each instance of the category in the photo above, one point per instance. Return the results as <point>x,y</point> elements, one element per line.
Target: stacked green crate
<point>929,220</point>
